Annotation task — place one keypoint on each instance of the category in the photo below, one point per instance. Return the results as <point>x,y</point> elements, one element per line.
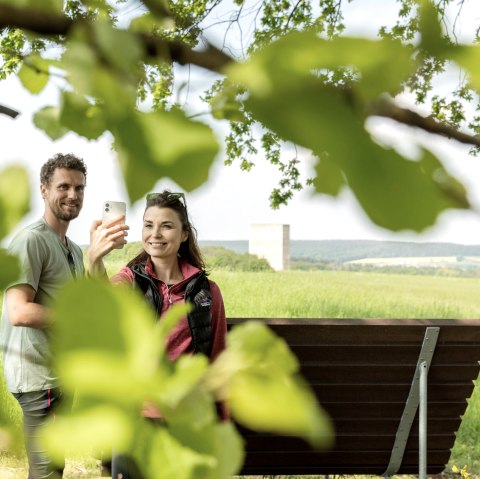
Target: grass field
<point>330,294</point>
<point>341,294</point>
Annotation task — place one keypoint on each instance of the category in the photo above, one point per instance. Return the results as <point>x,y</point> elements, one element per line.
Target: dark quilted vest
<point>197,292</point>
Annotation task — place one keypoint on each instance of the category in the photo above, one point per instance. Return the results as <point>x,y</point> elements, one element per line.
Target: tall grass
<point>341,294</point>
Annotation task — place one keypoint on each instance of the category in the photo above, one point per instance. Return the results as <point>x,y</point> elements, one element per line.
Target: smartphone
<point>112,210</point>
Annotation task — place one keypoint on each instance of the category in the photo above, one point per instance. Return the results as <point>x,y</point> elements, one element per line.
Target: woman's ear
<point>184,236</point>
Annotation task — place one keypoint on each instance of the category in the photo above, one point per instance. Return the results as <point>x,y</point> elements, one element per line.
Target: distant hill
<point>348,250</point>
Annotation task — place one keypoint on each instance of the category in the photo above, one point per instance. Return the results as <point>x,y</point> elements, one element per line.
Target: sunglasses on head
<point>168,197</point>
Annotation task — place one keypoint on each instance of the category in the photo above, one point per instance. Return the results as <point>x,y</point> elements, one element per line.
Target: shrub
<point>218,257</point>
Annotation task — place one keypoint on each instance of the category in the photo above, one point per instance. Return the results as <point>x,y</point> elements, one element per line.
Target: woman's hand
<point>104,237</point>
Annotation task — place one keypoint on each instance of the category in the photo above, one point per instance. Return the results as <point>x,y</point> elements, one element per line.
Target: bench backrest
<point>361,371</point>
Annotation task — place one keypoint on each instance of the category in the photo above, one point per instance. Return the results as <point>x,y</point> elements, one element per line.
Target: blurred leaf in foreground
<point>14,198</point>
<point>259,377</point>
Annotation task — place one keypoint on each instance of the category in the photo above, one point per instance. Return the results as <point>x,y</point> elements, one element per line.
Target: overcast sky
<point>224,208</point>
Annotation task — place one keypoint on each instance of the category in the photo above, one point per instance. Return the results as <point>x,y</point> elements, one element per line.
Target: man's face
<point>64,195</point>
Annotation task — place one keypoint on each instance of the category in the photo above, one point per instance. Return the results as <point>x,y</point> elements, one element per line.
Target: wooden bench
<point>368,374</point>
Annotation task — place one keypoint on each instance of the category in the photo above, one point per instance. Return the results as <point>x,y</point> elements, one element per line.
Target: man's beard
<point>64,215</point>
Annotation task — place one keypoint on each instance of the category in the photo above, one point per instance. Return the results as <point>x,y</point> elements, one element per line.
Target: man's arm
<point>22,311</point>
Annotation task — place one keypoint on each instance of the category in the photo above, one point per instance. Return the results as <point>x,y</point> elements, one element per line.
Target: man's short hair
<point>68,161</point>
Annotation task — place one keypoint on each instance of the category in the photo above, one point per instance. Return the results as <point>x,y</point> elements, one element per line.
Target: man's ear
<point>43,191</point>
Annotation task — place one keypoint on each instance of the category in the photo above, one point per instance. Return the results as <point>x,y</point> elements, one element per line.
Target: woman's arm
<point>103,239</point>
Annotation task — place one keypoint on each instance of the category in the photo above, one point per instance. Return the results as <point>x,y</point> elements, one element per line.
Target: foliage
<point>467,449</point>
<point>348,250</point>
<point>298,61</point>
<point>14,202</point>
<point>463,471</point>
<point>119,343</point>
<point>224,259</point>
<point>216,257</point>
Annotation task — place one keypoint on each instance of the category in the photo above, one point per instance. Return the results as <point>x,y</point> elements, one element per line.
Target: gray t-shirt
<point>44,266</point>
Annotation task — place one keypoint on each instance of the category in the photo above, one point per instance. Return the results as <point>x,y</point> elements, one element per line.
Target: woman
<point>170,269</point>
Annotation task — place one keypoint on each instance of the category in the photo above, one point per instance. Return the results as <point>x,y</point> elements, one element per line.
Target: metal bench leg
<point>417,400</point>
<point>422,423</point>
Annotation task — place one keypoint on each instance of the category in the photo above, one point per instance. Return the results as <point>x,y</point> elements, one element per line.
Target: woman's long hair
<point>189,250</point>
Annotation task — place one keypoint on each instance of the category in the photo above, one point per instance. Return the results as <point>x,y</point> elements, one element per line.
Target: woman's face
<point>162,232</point>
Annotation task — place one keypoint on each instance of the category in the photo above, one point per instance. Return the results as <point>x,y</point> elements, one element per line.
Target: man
<point>48,260</point>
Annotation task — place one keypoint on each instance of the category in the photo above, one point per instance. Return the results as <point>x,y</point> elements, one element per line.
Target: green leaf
<point>468,57</point>
<point>294,411</point>
<point>34,73</point>
<point>48,120</point>
<point>261,347</point>
<point>148,23</point>
<point>433,40</point>
<point>52,6</point>
<point>82,117</point>
<point>11,433</point>
<point>188,371</point>
<point>100,347</point>
<point>329,179</point>
<point>195,410</point>
<point>102,375</point>
<point>258,366</point>
<point>95,69</point>
<point>380,65</point>
<point>116,341</point>
<point>111,41</point>
<point>87,432</point>
<point>10,269</point>
<point>80,61</point>
<point>225,106</point>
<point>163,144</point>
<point>221,441</point>
<point>169,458</point>
<point>14,198</point>
<point>229,451</point>
<point>100,5</point>
<point>91,75</point>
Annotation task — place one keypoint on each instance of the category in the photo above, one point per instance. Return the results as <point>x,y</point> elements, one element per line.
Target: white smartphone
<point>112,210</point>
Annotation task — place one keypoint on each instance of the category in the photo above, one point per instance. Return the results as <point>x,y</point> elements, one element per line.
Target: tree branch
<point>408,117</point>
<point>44,23</point>
<point>210,58</point>
<point>8,111</point>
<point>35,20</point>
